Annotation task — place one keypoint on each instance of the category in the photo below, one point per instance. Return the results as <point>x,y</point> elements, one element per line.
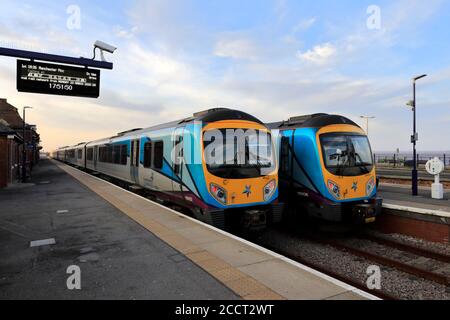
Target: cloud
<point>304,25</point>
<point>169,65</point>
<point>236,49</point>
<point>121,32</point>
<point>281,9</point>
<point>320,54</point>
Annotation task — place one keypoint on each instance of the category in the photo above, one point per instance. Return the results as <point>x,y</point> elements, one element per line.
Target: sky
<point>271,58</point>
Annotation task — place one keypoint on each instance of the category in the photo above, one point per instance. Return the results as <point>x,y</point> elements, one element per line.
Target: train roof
<point>316,120</point>
<point>209,115</point>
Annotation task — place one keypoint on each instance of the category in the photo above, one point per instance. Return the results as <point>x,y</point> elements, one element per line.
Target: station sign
<point>46,78</point>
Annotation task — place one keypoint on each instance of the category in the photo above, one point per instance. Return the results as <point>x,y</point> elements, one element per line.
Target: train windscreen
<point>346,154</point>
<point>238,153</point>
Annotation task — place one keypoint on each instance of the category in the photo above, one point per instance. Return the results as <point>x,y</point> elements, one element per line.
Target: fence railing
<point>396,160</point>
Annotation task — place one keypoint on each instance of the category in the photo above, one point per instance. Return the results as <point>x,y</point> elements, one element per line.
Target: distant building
<point>12,144</point>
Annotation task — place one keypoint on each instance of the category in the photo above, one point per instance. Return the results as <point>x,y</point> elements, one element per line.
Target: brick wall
<point>9,161</point>
<point>4,166</point>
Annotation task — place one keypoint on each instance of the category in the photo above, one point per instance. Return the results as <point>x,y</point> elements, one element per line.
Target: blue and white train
<point>170,163</point>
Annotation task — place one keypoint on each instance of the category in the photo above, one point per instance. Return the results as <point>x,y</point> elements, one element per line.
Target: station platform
<point>420,216</point>
<point>400,195</point>
<point>129,247</point>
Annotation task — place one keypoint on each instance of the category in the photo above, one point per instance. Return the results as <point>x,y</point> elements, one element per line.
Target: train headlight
<point>370,186</point>
<point>218,193</point>
<point>269,189</point>
<point>334,189</point>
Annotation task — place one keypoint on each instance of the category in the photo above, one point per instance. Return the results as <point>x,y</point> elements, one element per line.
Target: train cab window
<point>80,153</point>
<point>90,154</point>
<point>158,155</point>
<point>148,155</point>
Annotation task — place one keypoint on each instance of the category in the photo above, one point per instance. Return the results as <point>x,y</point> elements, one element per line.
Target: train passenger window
<point>80,153</point>
<point>116,154</point>
<point>159,155</point>
<point>110,154</point>
<point>148,155</point>
<point>123,154</point>
<point>90,154</point>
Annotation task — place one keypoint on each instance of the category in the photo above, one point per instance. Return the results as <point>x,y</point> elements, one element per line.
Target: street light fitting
<point>419,77</point>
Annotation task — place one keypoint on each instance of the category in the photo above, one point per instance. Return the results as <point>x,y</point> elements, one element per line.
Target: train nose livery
<point>219,163</point>
<point>326,169</point>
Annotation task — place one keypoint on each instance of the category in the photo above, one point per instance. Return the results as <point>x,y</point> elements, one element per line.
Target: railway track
<point>389,262</point>
<point>400,261</point>
<point>408,248</point>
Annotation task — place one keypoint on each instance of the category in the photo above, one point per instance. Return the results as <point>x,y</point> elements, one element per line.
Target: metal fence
<point>399,160</point>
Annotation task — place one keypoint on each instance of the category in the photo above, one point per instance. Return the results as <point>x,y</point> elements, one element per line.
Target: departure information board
<point>46,78</point>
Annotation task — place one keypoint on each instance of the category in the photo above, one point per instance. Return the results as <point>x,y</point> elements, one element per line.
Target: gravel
<point>399,284</point>
<point>443,248</point>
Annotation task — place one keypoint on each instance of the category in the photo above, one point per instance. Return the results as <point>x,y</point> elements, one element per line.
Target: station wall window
<point>90,154</point>
<point>158,155</point>
<point>148,155</point>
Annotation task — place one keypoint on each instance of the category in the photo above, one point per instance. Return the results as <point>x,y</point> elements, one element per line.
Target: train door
<point>178,161</point>
<point>85,157</point>
<point>285,159</point>
<point>134,161</point>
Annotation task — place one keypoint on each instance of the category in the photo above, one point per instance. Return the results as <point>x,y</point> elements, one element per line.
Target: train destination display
<point>37,77</point>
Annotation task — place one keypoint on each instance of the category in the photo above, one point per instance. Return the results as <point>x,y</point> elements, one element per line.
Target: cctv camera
<point>104,46</point>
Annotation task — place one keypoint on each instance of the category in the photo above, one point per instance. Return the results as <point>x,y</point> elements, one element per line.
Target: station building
<point>12,142</point>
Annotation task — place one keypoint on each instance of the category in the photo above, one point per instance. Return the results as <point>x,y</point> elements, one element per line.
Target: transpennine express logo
<point>247,191</point>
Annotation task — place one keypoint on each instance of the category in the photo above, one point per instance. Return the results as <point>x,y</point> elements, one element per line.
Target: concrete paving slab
<point>292,283</point>
<point>119,259</point>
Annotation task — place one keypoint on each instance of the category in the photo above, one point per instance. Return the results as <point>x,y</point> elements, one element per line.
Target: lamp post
<point>367,122</point>
<point>24,149</point>
<point>415,137</point>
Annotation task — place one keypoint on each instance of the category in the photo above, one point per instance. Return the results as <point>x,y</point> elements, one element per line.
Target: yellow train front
<point>326,169</point>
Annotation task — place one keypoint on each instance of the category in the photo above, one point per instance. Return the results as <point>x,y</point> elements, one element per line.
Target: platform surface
<point>118,258</point>
<point>129,247</point>
<point>401,195</point>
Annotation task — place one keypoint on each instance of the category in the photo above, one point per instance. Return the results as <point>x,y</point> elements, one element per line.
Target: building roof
<point>4,129</point>
<point>10,114</point>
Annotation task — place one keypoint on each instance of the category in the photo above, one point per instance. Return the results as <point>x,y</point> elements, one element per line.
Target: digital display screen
<point>46,78</point>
